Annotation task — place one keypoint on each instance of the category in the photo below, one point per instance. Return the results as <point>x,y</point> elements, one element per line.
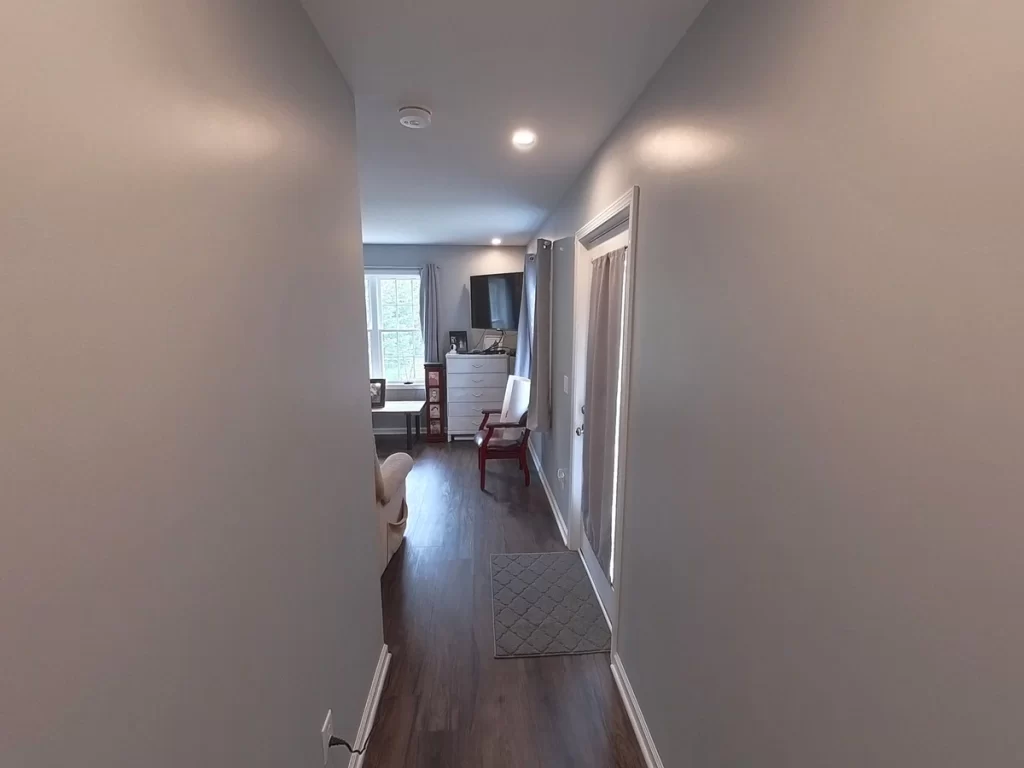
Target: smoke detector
<point>414,117</point>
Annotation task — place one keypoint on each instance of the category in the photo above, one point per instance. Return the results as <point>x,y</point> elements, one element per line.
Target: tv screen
<point>495,300</point>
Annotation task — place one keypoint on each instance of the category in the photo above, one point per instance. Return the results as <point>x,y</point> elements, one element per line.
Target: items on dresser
<point>434,378</point>
<point>474,384</point>
<point>458,341</point>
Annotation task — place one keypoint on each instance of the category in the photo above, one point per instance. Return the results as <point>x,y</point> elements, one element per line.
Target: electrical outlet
<point>326,733</point>
<point>565,384</point>
<point>561,478</point>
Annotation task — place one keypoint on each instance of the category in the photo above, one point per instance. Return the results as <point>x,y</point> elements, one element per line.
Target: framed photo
<point>378,388</point>
<point>435,427</point>
<point>435,395</point>
<point>433,378</point>
<point>435,411</point>
<point>459,340</point>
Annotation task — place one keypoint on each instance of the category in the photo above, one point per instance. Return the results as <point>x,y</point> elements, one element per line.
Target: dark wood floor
<point>448,701</point>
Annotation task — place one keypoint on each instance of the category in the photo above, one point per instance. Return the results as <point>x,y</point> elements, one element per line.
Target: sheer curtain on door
<point>600,438</point>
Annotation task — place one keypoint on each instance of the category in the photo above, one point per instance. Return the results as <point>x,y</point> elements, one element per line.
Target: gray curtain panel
<point>608,276</point>
<point>533,345</point>
<point>428,313</point>
<point>524,336</point>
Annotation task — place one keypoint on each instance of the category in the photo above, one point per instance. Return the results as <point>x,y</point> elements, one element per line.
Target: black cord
<point>339,742</point>
<point>498,343</point>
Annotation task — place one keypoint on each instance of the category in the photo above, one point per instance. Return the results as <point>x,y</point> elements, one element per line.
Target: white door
<point>609,232</point>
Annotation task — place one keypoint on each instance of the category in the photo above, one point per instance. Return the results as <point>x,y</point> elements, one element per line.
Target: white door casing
<point>613,228</point>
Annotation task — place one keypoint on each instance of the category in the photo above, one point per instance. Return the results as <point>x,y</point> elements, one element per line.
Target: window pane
<point>407,317</point>
<point>366,297</point>
<point>369,350</point>
<point>404,291</point>
<point>403,355</point>
<point>389,315</point>
<point>400,303</point>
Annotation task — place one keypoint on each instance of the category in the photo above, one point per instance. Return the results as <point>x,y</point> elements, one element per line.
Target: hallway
<point>447,701</point>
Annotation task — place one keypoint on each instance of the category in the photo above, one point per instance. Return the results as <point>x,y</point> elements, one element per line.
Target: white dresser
<point>474,382</point>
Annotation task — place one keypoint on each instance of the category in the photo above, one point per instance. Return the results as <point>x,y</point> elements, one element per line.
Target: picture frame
<point>459,340</point>
<point>378,392</point>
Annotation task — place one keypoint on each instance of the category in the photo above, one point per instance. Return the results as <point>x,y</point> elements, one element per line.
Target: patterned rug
<point>544,605</point>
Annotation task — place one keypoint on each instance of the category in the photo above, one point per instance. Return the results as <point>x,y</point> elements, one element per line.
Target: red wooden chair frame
<point>486,451</point>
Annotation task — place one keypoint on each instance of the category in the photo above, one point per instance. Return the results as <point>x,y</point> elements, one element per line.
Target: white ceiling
<point>568,69</point>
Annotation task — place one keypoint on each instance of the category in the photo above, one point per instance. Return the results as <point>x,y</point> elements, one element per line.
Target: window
<point>393,331</point>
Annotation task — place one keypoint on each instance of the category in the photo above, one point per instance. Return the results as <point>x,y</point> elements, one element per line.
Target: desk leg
<point>408,431</point>
<point>417,427</point>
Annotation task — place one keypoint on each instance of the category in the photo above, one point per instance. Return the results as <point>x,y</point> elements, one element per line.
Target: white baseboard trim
<point>562,529</point>
<point>593,586</point>
<point>636,717</point>
<point>380,675</point>
<point>391,431</point>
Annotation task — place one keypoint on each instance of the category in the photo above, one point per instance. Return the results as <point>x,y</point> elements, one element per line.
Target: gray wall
<point>187,571</point>
<point>457,263</point>
<point>822,549</point>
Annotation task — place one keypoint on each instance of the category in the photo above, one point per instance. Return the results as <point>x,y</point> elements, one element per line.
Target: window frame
<point>374,333</point>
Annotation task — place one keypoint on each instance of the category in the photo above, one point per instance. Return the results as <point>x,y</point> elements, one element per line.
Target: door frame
<point>621,215</point>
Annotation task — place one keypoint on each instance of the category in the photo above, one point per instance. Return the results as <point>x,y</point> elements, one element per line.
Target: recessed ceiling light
<point>524,139</point>
<point>495,241</point>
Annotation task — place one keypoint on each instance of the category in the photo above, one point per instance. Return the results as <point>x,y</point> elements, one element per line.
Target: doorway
<point>604,270</point>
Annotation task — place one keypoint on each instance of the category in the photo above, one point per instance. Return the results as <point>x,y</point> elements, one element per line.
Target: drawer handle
<point>478,365</point>
<point>477,394</point>
<point>477,381</point>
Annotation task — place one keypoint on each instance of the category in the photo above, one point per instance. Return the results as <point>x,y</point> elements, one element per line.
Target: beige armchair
<point>392,511</point>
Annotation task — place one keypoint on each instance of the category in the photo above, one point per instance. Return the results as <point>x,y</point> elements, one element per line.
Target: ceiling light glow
<point>684,148</point>
<point>524,139</point>
<point>495,241</point>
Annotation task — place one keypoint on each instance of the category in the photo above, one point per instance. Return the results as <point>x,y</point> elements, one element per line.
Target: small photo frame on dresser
<point>458,341</point>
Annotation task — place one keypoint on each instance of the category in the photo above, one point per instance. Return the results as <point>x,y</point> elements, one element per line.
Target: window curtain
<point>428,313</point>
<point>604,345</point>
<point>533,346</point>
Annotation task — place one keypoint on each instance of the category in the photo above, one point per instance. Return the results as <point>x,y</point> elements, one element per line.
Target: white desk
<point>410,408</point>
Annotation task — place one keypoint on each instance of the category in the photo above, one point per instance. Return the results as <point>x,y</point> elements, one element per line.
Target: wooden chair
<point>506,438</point>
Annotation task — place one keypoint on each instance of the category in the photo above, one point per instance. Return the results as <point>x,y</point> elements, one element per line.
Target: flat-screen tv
<point>495,300</point>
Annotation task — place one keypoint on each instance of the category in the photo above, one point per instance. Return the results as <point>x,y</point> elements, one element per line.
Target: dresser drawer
<point>477,364</point>
<point>476,380</point>
<point>474,410</point>
<point>477,395</point>
<point>463,425</point>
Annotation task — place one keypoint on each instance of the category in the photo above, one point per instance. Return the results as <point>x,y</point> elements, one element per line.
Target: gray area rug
<point>544,605</point>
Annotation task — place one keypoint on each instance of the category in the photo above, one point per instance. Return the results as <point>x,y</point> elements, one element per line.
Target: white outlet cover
<point>326,733</point>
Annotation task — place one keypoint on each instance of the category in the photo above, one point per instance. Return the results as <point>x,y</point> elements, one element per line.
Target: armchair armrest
<point>523,437</point>
<point>487,412</point>
<point>394,469</point>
